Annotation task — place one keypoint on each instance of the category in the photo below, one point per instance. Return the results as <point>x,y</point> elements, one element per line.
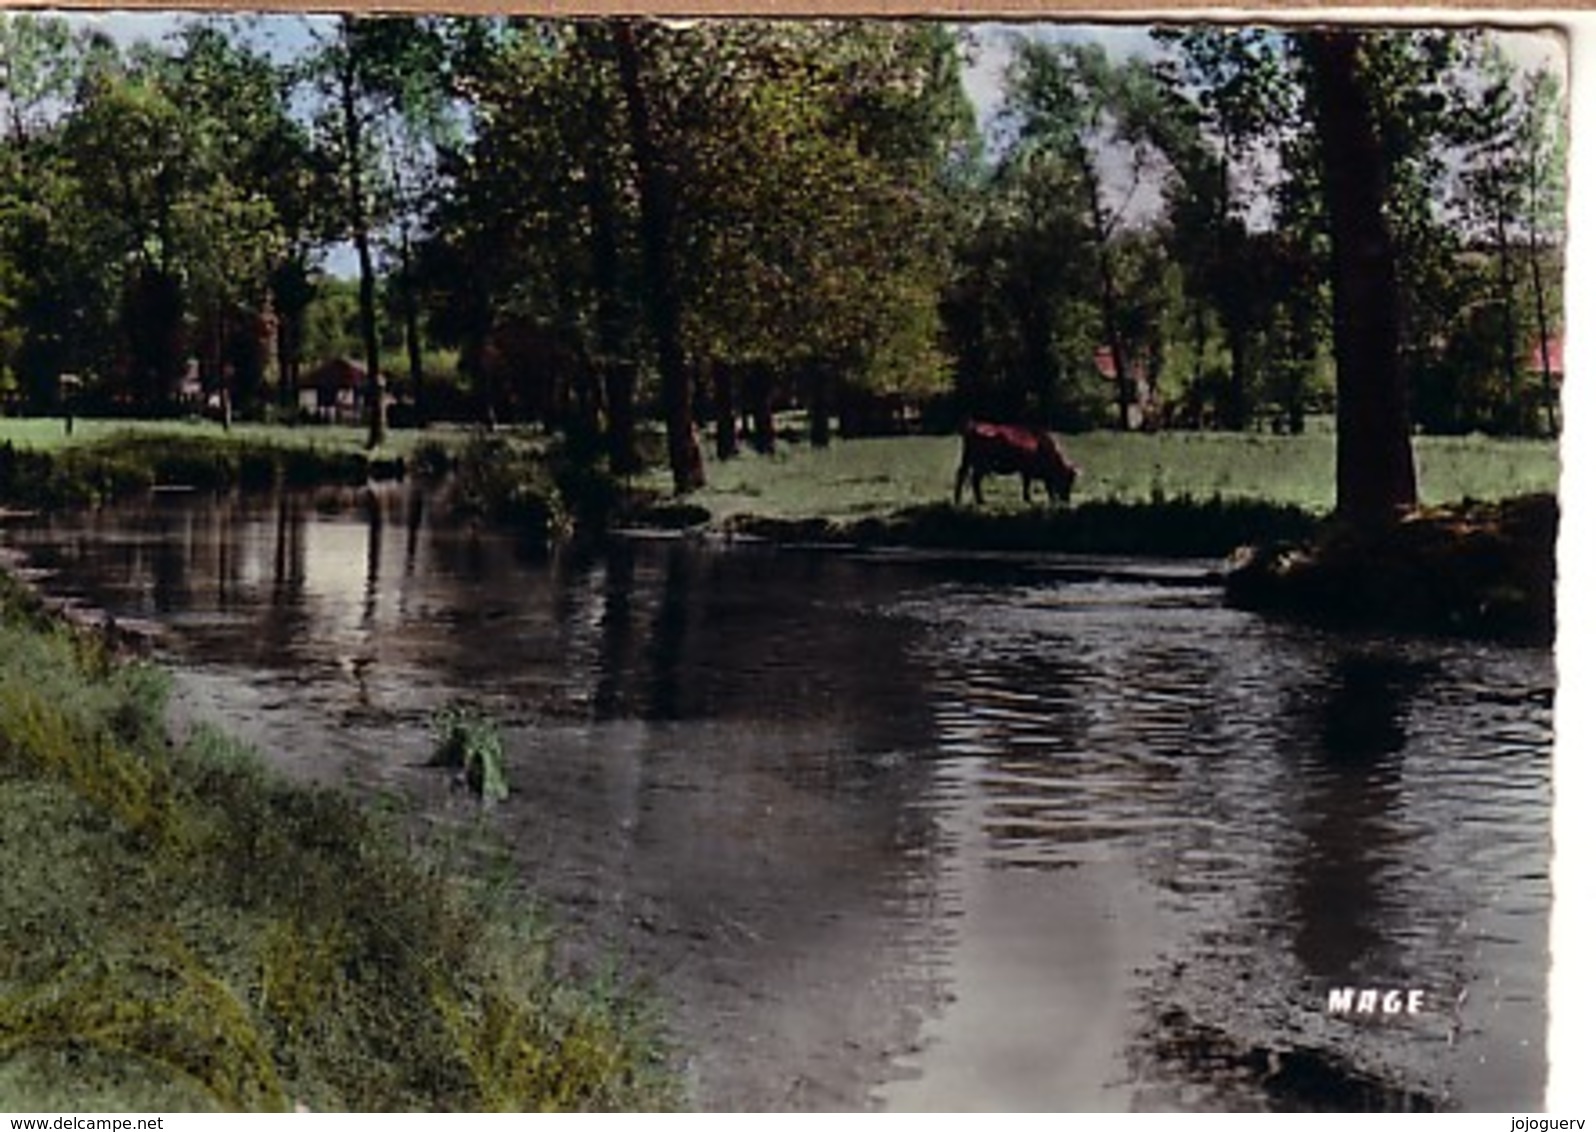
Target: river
<point>909,831</point>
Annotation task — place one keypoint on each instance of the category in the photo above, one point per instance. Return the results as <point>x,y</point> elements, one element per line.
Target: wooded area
<point>595,223</point>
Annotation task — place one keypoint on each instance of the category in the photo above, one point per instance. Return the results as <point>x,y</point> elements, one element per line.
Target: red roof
<point>1554,354</point>
<point>337,373</point>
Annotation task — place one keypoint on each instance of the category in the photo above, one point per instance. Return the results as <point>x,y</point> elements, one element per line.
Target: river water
<point>910,831</point>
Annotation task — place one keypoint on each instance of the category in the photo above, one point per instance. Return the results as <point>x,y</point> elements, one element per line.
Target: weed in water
<point>470,742</point>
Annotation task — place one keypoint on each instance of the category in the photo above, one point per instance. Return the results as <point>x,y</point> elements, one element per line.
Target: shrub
<point>502,481</point>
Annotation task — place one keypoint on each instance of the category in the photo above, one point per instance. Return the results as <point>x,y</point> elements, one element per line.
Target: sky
<point>982,78</point>
<point>990,51</point>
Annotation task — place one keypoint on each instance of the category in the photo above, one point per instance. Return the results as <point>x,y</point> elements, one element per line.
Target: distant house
<point>190,389</point>
<point>1554,356</point>
<point>1144,401</point>
<point>334,392</point>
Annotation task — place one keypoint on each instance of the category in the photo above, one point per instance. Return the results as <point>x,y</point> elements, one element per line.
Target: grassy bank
<point>856,479</point>
<point>1165,494</point>
<point>1475,570</point>
<point>126,463</point>
<point>179,930</point>
<point>1172,528</point>
<point>1199,494</point>
<point>48,434</point>
<point>515,477</point>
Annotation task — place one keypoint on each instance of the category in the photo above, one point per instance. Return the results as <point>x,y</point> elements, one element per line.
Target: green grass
<point>180,930</point>
<point>106,461</point>
<point>49,434</point>
<point>856,479</point>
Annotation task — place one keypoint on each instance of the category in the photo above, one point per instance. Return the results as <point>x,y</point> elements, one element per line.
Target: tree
<point>1071,101</point>
<point>1374,456</point>
<point>1231,97</point>
<point>762,198</point>
<point>1509,196</point>
<point>813,160</point>
<point>1020,295</point>
<point>129,138</point>
<point>1544,146</point>
<point>369,71</point>
<point>657,218</point>
<point>246,213</point>
<point>52,296</point>
<point>538,240</point>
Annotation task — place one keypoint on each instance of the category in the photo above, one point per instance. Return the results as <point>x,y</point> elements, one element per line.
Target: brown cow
<point>1006,450</point>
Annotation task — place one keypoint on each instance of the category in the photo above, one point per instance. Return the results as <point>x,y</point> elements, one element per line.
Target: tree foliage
<point>706,221</point>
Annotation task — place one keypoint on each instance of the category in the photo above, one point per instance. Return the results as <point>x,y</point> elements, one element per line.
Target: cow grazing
<point>1006,450</point>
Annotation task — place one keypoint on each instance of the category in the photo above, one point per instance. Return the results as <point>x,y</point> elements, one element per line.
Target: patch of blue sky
<point>1132,193</point>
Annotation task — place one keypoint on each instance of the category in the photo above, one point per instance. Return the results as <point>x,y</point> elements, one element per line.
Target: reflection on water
<point>907,831</point>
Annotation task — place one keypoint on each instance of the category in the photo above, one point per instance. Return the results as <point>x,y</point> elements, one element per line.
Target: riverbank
<point>124,463</point>
<point>1480,561</point>
<point>183,930</point>
<point>1470,569</point>
<point>1260,498</point>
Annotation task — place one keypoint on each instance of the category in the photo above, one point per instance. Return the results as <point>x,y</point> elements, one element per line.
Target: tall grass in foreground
<point>179,930</point>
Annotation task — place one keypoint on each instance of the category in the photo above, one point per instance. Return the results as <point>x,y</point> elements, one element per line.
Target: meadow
<point>1173,493</point>
<point>861,478</point>
<point>856,479</point>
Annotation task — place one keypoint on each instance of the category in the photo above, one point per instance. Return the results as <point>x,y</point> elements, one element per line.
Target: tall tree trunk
<point>1198,372</point>
<point>1108,293</point>
<point>723,380</point>
<point>1040,358</point>
<point>620,385</point>
<point>412,316</point>
<point>1374,453</point>
<point>656,193</point>
<point>1542,326</point>
<point>1230,263</point>
<point>292,294</point>
<point>1510,343</point>
<point>1235,412</point>
<point>759,382</point>
<point>360,233</point>
<point>153,318</point>
<point>818,379</point>
<point>287,366</point>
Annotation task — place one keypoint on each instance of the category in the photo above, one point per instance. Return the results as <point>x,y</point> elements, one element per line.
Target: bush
<point>502,481</point>
<point>432,459</point>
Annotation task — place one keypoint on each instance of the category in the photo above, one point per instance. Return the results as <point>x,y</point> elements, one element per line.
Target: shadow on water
<point>907,830</point>
<point>1349,818</point>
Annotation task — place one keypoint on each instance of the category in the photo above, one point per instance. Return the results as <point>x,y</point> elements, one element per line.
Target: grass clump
<point>470,742</point>
<point>180,930</point>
